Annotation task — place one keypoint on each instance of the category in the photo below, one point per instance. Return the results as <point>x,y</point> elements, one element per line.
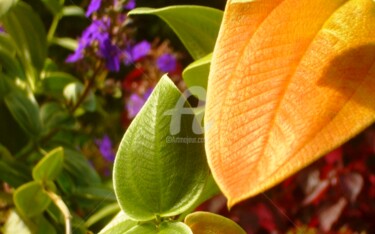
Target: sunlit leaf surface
<point>290,80</point>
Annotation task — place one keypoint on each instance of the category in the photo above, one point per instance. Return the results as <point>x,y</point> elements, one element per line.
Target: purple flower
<point>166,63</point>
<point>93,7</point>
<point>140,50</point>
<point>136,102</point>
<point>105,148</point>
<point>130,5</point>
<point>111,53</point>
<point>1,29</point>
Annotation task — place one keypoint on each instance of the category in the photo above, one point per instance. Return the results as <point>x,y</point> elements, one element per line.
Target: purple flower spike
<point>166,63</point>
<point>130,5</point>
<point>1,29</point>
<point>93,7</point>
<point>111,53</point>
<point>140,50</point>
<point>105,148</point>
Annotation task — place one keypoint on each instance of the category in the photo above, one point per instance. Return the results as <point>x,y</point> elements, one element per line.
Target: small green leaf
<point>30,199</point>
<point>67,43</point>
<point>54,6</point>
<point>50,166</point>
<point>196,26</point>
<point>73,11</point>
<point>157,171</point>
<point>54,116</point>
<point>196,74</point>
<point>5,5</point>
<point>73,91</point>
<point>25,111</point>
<point>205,222</point>
<point>121,223</point>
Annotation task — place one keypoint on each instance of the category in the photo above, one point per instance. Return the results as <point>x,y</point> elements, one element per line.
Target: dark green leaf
<point>27,30</point>
<point>119,224</point>
<point>196,26</point>
<point>157,171</point>
<point>53,5</point>
<point>205,222</point>
<point>50,166</point>
<point>77,166</point>
<point>196,74</point>
<point>25,112</point>
<point>54,116</point>
<point>10,64</point>
<point>31,199</point>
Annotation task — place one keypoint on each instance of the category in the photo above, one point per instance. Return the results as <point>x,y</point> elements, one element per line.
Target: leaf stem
<point>64,210</point>
<point>53,27</point>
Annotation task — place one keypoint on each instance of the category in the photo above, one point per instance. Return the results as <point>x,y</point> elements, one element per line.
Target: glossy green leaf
<point>196,74</point>
<point>27,30</point>
<point>25,111</point>
<point>206,222</point>
<point>121,223</point>
<point>196,26</point>
<point>157,171</point>
<point>50,166</point>
<point>5,5</point>
<point>73,11</point>
<point>53,6</point>
<point>30,199</point>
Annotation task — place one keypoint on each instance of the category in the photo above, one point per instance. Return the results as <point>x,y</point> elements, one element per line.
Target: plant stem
<point>64,210</point>
<point>53,27</point>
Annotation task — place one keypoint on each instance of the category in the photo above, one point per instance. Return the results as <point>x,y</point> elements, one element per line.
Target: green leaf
<point>206,222</point>
<point>174,228</point>
<point>73,11</point>
<point>25,112</point>
<point>5,5</point>
<point>50,166</point>
<point>65,42</point>
<point>54,116</point>
<point>155,173</point>
<point>145,228</point>
<point>27,30</point>
<point>196,74</point>
<point>54,6</point>
<point>121,223</point>
<point>103,213</point>
<point>99,193</point>
<point>30,199</point>
<point>77,166</point>
<point>54,83</point>
<point>73,91</point>
<point>10,64</point>
<point>196,26</point>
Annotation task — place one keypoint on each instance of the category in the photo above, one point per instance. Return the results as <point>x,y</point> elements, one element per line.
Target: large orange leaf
<point>290,80</point>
